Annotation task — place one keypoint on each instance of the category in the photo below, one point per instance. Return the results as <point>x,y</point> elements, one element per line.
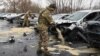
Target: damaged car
<point>92,33</point>
<point>88,33</point>
<point>74,27</point>
<point>78,18</point>
<point>13,18</point>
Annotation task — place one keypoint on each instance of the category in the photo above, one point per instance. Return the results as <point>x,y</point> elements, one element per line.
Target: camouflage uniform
<point>26,20</point>
<point>44,21</point>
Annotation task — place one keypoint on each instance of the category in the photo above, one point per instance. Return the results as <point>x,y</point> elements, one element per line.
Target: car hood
<point>63,21</point>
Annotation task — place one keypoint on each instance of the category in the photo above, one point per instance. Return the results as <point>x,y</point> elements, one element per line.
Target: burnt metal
<point>89,34</point>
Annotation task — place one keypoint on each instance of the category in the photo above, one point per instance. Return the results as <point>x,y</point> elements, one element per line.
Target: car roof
<point>90,11</point>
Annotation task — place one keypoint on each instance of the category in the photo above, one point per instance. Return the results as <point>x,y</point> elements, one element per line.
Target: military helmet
<point>52,6</point>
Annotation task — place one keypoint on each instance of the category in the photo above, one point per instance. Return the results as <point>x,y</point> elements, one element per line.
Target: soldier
<point>26,20</point>
<point>44,21</point>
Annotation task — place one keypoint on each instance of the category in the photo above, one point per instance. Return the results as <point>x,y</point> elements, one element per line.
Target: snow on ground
<point>15,32</point>
<point>7,30</point>
<point>3,25</point>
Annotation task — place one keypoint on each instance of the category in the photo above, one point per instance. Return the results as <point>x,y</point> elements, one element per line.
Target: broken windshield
<point>76,16</point>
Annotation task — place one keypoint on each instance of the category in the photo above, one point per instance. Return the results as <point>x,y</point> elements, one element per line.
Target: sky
<point>85,3</point>
<point>42,3</point>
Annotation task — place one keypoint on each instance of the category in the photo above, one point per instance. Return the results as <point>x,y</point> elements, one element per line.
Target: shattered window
<point>98,19</point>
<point>91,16</point>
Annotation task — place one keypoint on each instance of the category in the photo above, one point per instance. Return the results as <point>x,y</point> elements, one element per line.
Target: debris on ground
<point>25,48</point>
<point>16,32</point>
<point>24,34</point>
<point>11,40</point>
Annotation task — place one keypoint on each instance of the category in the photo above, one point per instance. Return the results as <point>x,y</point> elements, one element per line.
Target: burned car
<point>74,28</point>
<point>13,18</point>
<point>78,17</point>
<point>19,18</point>
<point>92,33</point>
<point>89,33</point>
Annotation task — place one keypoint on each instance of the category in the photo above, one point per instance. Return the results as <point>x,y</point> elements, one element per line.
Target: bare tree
<point>35,8</point>
<point>22,6</point>
<point>12,5</point>
<point>62,5</point>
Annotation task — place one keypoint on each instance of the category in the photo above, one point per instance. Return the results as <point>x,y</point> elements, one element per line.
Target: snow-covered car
<point>81,16</point>
<point>19,18</point>
<point>2,17</point>
<point>77,18</point>
<point>13,18</point>
<point>55,17</point>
